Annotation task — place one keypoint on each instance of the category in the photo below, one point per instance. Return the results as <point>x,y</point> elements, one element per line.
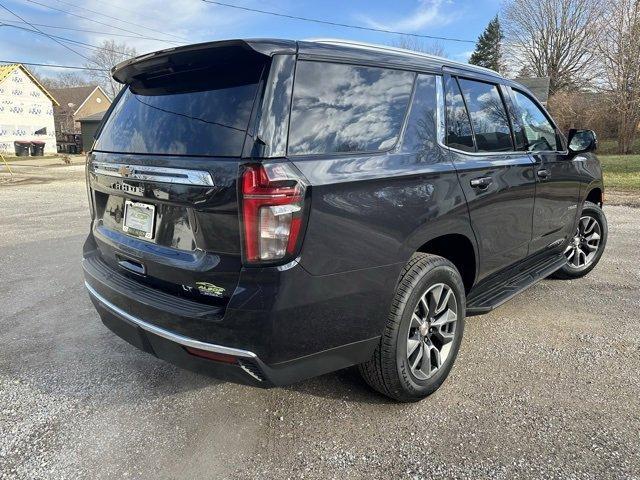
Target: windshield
<point>194,113</point>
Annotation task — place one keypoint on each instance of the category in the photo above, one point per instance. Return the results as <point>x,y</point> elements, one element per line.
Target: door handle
<point>544,173</point>
<point>481,183</point>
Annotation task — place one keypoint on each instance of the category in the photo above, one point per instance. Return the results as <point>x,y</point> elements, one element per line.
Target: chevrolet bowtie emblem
<point>125,171</point>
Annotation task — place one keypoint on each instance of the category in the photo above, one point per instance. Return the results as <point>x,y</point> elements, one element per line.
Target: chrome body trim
<point>161,332</point>
<point>153,174</point>
<point>440,111</point>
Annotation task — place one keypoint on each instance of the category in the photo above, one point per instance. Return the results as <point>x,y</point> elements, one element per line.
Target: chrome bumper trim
<point>161,332</point>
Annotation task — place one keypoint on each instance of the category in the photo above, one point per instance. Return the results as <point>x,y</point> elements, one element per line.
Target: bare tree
<point>110,54</point>
<point>417,45</point>
<point>553,38</point>
<point>64,80</point>
<point>619,52</point>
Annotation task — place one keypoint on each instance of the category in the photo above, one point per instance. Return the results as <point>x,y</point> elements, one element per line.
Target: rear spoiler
<point>192,57</point>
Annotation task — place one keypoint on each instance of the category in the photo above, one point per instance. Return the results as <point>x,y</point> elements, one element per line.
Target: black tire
<point>389,371</point>
<point>569,270</point>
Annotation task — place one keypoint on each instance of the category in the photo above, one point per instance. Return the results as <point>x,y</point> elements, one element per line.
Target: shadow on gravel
<point>346,385</point>
<point>20,181</point>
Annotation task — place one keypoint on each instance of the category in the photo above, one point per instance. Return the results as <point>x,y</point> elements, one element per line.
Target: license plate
<point>139,219</point>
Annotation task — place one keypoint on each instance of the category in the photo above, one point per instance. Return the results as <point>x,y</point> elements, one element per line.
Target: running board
<point>495,291</point>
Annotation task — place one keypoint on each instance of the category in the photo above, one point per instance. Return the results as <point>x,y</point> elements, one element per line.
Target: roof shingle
<point>72,95</point>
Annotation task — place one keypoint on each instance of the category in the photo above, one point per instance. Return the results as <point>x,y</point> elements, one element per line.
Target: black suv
<point>271,210</point>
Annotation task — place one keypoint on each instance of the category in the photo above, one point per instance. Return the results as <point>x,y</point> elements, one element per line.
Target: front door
<point>557,176</point>
<point>498,181</point>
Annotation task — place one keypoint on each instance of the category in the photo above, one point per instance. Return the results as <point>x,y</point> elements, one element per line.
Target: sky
<point>193,21</point>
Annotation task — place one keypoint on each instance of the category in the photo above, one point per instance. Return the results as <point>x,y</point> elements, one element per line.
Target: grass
<point>610,146</point>
<point>621,172</point>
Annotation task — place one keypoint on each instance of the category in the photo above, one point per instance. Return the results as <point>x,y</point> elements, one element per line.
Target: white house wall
<point>24,108</point>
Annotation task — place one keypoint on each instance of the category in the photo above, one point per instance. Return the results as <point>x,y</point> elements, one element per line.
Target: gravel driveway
<point>547,386</point>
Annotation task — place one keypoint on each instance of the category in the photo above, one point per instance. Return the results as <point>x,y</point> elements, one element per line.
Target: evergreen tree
<point>488,52</point>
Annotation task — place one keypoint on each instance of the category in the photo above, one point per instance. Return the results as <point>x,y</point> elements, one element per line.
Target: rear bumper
<point>280,326</point>
<point>170,346</point>
<point>247,367</point>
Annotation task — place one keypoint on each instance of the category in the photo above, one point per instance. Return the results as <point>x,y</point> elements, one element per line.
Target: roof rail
<point>403,51</point>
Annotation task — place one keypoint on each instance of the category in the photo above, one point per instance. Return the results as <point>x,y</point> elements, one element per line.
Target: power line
<point>72,67</point>
<point>95,21</point>
<point>120,20</point>
<point>85,30</point>
<point>36,28</point>
<point>335,24</point>
<point>65,39</point>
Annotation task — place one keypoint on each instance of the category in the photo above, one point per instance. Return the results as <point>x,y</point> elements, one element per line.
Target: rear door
<point>498,181</point>
<point>557,175</point>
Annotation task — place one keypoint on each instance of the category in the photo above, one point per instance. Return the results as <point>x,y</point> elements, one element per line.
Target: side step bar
<point>495,291</point>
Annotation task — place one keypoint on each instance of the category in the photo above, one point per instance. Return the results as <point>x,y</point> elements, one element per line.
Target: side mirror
<point>582,141</point>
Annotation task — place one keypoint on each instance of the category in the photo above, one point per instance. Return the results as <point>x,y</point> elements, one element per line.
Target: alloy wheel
<point>583,248</point>
<point>431,331</point>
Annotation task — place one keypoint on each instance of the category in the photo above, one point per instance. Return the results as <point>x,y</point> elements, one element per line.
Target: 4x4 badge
<point>209,289</point>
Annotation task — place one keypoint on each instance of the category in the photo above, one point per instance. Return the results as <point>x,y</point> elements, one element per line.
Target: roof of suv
<point>344,50</point>
<point>386,54</point>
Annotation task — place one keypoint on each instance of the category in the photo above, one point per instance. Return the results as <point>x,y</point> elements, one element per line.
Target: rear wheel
<point>423,332</point>
<point>587,245</point>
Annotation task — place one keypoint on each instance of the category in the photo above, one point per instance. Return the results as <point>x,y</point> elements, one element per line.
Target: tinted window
<point>459,134</point>
<point>204,115</point>
<point>420,135</point>
<point>516,128</point>
<point>345,108</point>
<point>488,116</point>
<point>538,129</point>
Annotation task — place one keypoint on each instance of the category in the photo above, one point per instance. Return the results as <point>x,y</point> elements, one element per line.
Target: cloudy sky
<point>166,23</point>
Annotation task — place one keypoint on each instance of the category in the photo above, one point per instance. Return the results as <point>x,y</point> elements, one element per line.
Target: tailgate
<point>191,246</point>
<point>163,170</point>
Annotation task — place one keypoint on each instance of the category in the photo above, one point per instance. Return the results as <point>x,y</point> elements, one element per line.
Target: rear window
<point>459,133</point>
<point>346,108</point>
<point>194,113</point>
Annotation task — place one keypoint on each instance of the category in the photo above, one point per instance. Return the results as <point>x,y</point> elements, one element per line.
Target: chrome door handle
<point>544,173</point>
<point>481,183</point>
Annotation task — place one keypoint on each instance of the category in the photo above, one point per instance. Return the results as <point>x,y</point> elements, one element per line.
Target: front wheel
<point>423,332</point>
<point>587,245</point>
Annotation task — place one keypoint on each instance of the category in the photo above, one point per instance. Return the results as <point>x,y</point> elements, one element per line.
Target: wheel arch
<point>595,194</point>
<point>460,250</point>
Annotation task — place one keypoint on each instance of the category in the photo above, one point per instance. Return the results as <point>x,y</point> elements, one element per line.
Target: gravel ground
<point>547,386</point>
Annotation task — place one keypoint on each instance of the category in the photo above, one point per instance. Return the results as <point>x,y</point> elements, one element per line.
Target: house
<point>76,103</point>
<point>26,110</point>
<point>89,126</point>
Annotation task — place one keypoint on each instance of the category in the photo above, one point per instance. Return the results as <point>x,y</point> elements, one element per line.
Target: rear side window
<point>203,113</point>
<point>488,116</point>
<point>541,136</point>
<point>420,135</point>
<point>459,133</point>
<point>346,108</point>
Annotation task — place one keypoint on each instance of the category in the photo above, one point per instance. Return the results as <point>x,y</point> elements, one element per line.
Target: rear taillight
<point>273,208</point>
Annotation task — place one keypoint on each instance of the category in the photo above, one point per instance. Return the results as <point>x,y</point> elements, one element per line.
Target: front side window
<point>346,108</point>
<point>488,116</point>
<point>459,133</point>
<point>539,132</point>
